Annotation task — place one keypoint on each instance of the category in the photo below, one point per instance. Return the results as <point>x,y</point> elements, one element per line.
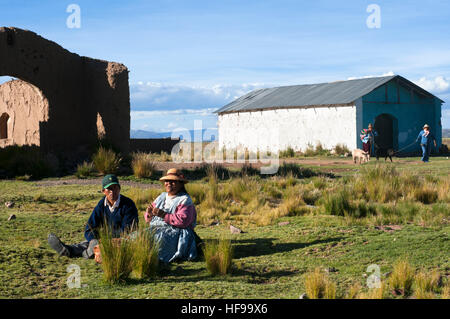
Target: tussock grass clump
<point>242,189</point>
<point>426,195</point>
<point>117,256</point>
<point>338,203</point>
<point>145,254</point>
<point>402,277</point>
<point>401,212</point>
<point>206,169</point>
<point>288,152</point>
<point>197,192</point>
<point>318,150</point>
<point>374,293</point>
<point>85,170</point>
<point>341,149</point>
<point>293,206</point>
<point>106,161</point>
<point>379,184</point>
<point>319,286</point>
<point>354,291</point>
<point>248,170</point>
<point>160,157</point>
<point>143,197</point>
<point>218,256</point>
<point>26,161</point>
<point>143,165</point>
<point>446,291</point>
<point>444,190</point>
<point>427,281</point>
<point>295,170</point>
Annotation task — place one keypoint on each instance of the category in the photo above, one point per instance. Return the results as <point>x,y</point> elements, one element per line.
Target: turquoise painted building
<point>398,109</point>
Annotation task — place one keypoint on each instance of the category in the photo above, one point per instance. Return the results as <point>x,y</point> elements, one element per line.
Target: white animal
<point>360,155</point>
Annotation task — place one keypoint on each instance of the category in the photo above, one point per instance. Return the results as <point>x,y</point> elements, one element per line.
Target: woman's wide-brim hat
<point>426,125</point>
<point>174,174</point>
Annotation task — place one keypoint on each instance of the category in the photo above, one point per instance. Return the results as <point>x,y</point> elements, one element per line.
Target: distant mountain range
<point>195,136</point>
<point>446,132</point>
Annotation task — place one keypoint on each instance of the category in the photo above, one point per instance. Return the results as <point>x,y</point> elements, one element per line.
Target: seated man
<point>119,211</point>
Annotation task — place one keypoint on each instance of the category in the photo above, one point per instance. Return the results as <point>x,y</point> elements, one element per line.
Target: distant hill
<point>446,132</point>
<point>197,136</point>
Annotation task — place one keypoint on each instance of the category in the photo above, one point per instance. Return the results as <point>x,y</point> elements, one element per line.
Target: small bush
<point>117,256</point>
<point>218,256</point>
<point>106,161</point>
<point>85,170</point>
<point>143,165</point>
<point>402,277</point>
<point>319,286</point>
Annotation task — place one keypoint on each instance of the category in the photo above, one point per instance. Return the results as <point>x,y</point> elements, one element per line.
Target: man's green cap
<point>109,180</point>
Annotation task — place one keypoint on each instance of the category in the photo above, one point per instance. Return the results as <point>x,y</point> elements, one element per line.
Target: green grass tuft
<point>218,256</point>
<point>106,161</point>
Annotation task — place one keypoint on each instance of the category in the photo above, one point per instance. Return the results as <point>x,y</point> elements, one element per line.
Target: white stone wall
<point>277,129</point>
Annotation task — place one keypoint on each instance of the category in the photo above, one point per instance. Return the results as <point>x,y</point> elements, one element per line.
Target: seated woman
<point>172,218</point>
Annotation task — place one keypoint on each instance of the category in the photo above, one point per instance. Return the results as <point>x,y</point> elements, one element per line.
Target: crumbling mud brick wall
<point>86,98</point>
<point>23,107</point>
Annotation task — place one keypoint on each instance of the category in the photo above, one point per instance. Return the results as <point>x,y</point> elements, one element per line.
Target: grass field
<point>271,260</point>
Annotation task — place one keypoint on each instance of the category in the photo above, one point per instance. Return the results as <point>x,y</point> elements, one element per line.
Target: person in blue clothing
<point>425,138</point>
<point>117,210</point>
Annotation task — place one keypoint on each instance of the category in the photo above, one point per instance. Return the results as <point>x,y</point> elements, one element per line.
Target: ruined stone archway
<point>23,107</point>
<point>76,88</point>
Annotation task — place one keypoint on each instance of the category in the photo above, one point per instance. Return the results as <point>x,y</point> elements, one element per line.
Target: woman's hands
<point>153,211</point>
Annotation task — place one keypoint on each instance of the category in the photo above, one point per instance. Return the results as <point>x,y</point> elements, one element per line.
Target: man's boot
<point>57,245</point>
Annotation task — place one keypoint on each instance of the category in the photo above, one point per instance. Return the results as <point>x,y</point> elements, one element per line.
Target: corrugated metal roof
<point>334,93</point>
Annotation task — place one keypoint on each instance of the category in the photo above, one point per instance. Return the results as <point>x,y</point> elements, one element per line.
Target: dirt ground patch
<point>92,181</point>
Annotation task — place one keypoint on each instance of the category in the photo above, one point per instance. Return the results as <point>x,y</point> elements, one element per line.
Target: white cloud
<point>437,85</point>
<point>153,95</point>
<point>141,115</point>
<point>390,73</point>
<point>171,125</point>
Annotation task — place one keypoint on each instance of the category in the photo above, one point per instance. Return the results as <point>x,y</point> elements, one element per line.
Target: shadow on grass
<point>223,173</point>
<point>264,246</point>
<point>262,276</point>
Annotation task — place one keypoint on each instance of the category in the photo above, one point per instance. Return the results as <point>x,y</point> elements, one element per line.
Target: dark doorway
<point>4,126</point>
<point>386,127</point>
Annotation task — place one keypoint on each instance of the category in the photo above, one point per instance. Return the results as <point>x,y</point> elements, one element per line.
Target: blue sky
<point>187,58</point>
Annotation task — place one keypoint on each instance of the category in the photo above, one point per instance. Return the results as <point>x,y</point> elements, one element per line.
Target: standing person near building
<point>425,138</point>
<point>367,137</point>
